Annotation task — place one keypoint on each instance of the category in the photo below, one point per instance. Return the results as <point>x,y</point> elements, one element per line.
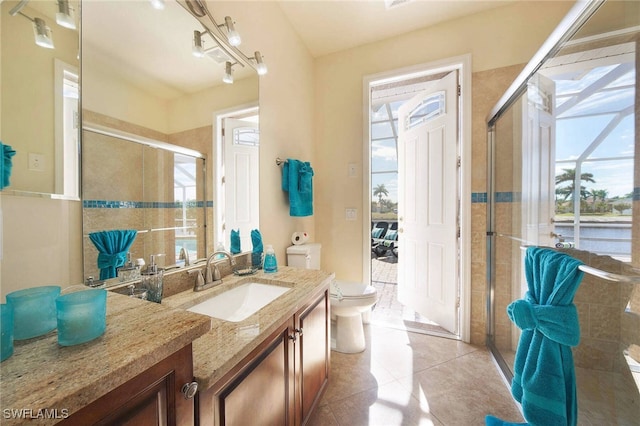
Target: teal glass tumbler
<point>34,311</point>
<point>6,331</point>
<point>82,316</point>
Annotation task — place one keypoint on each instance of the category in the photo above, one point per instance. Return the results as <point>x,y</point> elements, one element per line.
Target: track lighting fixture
<point>232,35</point>
<point>64,16</point>
<point>197,49</point>
<point>225,38</point>
<point>42,33</point>
<point>261,67</point>
<point>228,73</point>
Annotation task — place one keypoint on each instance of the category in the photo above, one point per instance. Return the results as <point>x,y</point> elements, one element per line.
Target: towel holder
<point>610,276</point>
<point>279,161</point>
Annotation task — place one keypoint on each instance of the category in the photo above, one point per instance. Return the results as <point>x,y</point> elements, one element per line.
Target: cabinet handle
<point>293,337</point>
<point>299,331</point>
<point>189,390</point>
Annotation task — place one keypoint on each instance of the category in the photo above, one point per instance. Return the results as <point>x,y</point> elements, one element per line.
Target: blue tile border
<point>107,204</point>
<point>500,197</point>
<point>478,197</point>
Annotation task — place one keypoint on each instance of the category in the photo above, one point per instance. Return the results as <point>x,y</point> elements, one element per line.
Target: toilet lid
<point>351,290</point>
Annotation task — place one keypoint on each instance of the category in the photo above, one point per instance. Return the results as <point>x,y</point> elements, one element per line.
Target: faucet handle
<point>208,277</point>
<point>199,277</point>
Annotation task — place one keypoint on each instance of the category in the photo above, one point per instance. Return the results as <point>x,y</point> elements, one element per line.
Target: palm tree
<point>380,191</point>
<point>569,175</point>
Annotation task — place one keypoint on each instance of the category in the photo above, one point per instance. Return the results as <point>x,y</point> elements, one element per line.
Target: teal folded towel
<point>113,247</point>
<point>256,241</point>
<point>544,374</point>
<point>256,252</point>
<point>235,241</point>
<point>297,180</point>
<point>6,165</point>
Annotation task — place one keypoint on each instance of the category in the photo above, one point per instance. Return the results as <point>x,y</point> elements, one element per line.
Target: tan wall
<point>28,94</point>
<point>501,37</point>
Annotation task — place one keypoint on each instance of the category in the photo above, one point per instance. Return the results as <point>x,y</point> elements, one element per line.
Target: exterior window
<point>429,109</point>
<point>246,136</point>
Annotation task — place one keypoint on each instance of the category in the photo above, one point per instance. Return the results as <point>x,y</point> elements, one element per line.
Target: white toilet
<point>351,303</point>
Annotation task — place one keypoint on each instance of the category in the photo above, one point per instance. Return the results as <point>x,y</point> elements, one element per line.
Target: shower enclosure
<point>564,172</point>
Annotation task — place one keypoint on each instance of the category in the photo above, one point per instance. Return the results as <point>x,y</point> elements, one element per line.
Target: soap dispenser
<point>152,281</point>
<point>129,271</point>
<point>270,262</point>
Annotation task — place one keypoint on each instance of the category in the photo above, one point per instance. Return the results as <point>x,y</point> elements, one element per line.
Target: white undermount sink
<point>239,302</point>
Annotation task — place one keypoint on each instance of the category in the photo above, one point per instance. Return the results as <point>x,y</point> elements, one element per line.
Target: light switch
<point>351,214</point>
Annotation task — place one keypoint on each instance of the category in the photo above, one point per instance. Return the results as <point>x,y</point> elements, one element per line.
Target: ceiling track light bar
<point>199,10</point>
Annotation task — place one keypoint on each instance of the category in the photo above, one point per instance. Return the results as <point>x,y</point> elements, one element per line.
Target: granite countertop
<point>219,350</point>
<point>43,375</point>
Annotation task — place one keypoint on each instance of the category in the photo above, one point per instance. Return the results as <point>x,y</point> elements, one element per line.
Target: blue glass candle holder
<point>6,332</point>
<point>34,311</point>
<point>82,316</point>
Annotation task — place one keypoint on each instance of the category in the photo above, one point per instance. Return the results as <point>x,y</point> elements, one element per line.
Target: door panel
<point>428,200</point>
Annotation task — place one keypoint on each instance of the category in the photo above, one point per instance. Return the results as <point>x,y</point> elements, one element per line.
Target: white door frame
<point>463,65</point>
<point>218,141</point>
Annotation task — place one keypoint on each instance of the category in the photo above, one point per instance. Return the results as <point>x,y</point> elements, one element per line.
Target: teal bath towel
<point>6,164</point>
<point>112,249</point>
<point>544,375</point>
<point>235,242</point>
<point>297,180</point>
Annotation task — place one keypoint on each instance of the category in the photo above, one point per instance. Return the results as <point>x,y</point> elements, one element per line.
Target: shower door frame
<point>568,27</point>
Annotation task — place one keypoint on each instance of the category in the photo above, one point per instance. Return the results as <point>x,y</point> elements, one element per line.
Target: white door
<point>240,182</point>
<point>428,202</point>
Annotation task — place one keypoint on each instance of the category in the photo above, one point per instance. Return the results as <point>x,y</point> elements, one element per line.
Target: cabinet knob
<point>189,390</point>
<point>299,331</point>
<point>293,337</point>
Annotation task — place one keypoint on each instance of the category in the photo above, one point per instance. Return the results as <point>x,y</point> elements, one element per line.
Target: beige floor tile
<point>463,390</point>
<point>405,378</point>
<point>389,404</point>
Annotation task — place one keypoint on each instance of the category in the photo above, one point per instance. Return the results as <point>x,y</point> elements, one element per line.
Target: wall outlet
<point>351,214</point>
<point>36,162</point>
<point>352,170</point>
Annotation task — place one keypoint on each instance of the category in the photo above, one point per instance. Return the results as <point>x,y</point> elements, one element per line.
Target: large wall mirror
<point>40,97</point>
<point>140,78</point>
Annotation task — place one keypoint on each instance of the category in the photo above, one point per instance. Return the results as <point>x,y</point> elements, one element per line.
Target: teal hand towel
<point>235,241</point>
<point>256,241</point>
<point>112,249</point>
<point>297,180</point>
<point>544,374</point>
<point>6,165</point>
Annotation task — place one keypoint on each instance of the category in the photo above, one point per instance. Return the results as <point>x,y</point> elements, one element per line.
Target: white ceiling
<point>136,50</point>
<point>328,26</point>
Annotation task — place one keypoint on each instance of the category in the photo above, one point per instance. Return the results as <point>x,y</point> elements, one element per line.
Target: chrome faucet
<point>212,277</point>
<point>184,255</point>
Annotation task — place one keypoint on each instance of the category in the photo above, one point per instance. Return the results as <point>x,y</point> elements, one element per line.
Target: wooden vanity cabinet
<point>152,398</point>
<point>281,381</point>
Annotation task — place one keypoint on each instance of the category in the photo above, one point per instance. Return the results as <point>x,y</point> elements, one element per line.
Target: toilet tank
<point>305,256</point>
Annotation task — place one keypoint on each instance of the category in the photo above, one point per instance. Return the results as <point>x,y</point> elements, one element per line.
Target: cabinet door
<point>313,354</point>
<point>261,393</point>
<point>152,398</point>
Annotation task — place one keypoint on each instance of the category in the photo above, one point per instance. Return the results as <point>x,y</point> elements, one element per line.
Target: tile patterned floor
<point>388,311</point>
<point>405,378</point>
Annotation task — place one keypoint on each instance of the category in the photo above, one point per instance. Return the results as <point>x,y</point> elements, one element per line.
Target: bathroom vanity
<point>271,367</point>
<point>274,363</point>
<point>136,369</point>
